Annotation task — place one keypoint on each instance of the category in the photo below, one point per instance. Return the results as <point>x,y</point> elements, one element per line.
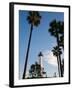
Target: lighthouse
<point>40,56</point>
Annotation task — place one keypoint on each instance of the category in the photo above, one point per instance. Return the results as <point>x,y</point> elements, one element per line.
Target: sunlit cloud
<point>50,58</point>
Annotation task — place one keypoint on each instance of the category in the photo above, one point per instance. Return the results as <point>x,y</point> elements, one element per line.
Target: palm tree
<point>61,42</point>
<point>55,30</point>
<point>34,20</point>
<point>57,52</point>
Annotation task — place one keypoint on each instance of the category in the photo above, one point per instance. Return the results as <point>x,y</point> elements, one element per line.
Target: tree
<point>56,29</point>
<point>57,52</point>
<point>61,27</point>
<point>34,20</point>
<point>35,71</point>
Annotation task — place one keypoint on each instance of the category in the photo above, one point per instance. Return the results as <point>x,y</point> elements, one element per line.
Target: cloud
<point>50,58</point>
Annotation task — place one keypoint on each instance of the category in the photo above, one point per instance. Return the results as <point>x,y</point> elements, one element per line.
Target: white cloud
<point>50,58</point>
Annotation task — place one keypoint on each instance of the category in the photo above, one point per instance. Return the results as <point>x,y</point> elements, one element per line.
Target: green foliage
<point>57,30</point>
<point>34,18</point>
<point>56,51</point>
<point>35,71</point>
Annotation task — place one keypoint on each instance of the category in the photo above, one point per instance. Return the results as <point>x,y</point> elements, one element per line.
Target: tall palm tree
<point>34,20</point>
<point>61,42</point>
<point>55,30</point>
<point>56,52</point>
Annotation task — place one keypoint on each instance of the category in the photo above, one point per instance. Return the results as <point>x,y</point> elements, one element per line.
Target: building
<point>40,62</point>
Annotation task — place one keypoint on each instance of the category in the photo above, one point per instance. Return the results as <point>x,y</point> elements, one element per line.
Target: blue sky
<point>41,39</point>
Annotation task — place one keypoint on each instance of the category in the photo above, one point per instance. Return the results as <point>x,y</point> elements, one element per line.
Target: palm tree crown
<point>56,28</point>
<point>56,51</point>
<point>34,18</point>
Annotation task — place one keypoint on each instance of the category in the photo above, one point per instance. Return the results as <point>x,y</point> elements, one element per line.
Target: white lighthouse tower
<point>40,56</point>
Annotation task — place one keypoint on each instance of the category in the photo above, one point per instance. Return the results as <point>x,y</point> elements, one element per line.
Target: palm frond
<point>34,18</point>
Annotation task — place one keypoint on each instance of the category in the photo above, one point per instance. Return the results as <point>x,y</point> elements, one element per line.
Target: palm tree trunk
<point>59,56</point>
<point>27,54</point>
<point>58,65</point>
